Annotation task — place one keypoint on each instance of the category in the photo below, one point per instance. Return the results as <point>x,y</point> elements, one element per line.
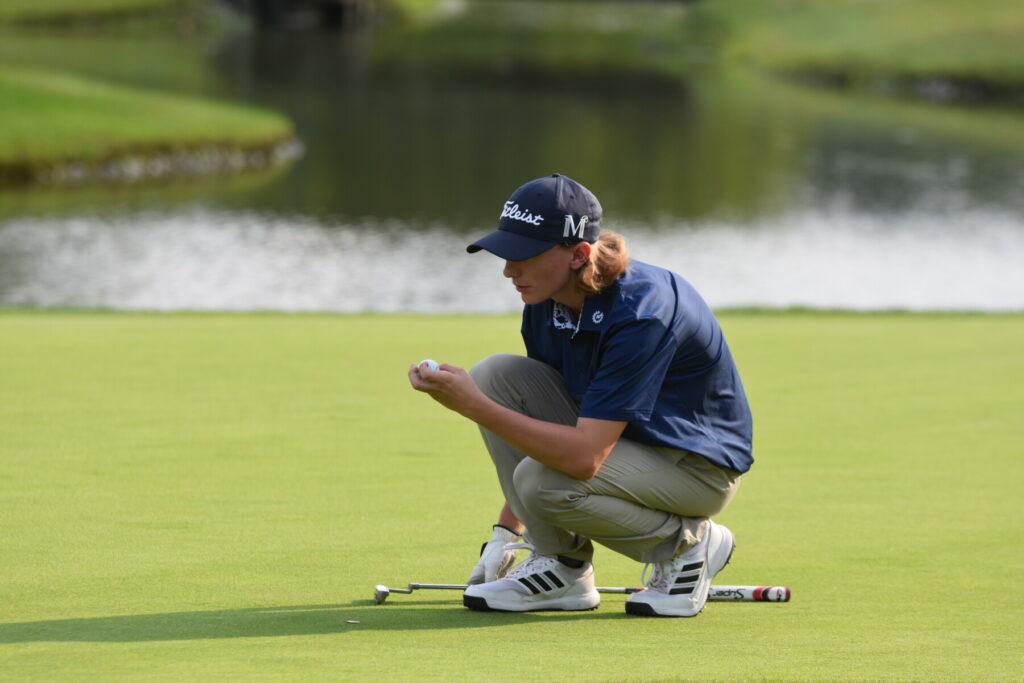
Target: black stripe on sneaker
<point>687,579</point>
<point>533,589</point>
<point>684,590</point>
<point>691,567</point>
<point>554,579</point>
<point>540,581</point>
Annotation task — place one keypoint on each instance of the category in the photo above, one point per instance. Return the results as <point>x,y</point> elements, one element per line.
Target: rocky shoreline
<point>938,88</point>
<point>152,164</point>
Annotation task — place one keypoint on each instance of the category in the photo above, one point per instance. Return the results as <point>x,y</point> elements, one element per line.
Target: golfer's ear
<point>580,254</point>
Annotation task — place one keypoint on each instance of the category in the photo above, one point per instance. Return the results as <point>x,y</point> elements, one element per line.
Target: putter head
<point>380,594</point>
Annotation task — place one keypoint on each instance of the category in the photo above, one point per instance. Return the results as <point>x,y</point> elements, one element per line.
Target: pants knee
<point>545,492</point>
<point>488,373</point>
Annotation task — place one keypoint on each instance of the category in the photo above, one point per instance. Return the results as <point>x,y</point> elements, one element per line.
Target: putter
<point>715,594</point>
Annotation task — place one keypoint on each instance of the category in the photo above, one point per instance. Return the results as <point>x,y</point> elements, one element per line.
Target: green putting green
<point>193,496</point>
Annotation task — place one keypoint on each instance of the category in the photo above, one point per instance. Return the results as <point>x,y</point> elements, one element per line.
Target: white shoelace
<point>663,574</point>
<point>658,576</point>
<point>527,566</point>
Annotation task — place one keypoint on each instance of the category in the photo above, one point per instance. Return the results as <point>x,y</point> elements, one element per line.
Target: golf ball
<point>432,364</point>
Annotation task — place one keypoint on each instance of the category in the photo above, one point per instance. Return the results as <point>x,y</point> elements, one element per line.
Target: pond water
<point>761,193</point>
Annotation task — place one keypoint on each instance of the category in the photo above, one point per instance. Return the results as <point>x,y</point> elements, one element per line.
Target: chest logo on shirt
<point>597,317</point>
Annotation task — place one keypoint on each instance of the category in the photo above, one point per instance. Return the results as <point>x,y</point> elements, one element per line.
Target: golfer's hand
<point>495,557</point>
<point>451,386</point>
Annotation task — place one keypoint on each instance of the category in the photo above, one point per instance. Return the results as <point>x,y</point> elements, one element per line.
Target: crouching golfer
<point>625,423</point>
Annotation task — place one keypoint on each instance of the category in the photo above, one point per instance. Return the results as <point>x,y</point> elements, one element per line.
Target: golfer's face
<point>545,276</point>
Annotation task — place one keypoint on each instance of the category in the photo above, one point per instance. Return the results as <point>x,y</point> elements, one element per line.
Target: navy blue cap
<point>544,212</point>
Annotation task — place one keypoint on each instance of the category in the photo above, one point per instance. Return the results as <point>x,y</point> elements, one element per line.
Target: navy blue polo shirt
<point>649,351</point>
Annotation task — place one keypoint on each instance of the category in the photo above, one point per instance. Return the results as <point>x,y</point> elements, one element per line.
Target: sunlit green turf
<point>92,10</point>
<point>36,9</point>
<point>48,115</point>
<point>215,497</point>
<point>868,38</point>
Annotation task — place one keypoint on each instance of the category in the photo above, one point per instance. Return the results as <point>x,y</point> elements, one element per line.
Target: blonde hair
<point>609,259</point>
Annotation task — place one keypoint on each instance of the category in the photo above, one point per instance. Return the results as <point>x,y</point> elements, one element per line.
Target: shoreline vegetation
<point>935,50</point>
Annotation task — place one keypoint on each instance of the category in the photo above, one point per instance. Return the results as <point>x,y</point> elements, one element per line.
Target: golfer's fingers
<point>453,369</point>
<point>416,379</point>
<point>423,378</point>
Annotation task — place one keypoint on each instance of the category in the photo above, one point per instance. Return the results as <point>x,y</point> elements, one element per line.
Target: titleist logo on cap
<point>512,211</point>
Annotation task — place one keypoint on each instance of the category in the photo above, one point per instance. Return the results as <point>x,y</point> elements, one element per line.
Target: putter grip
<point>749,593</point>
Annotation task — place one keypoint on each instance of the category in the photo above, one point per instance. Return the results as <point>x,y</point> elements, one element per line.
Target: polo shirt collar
<point>593,314</point>
<point>561,317</point>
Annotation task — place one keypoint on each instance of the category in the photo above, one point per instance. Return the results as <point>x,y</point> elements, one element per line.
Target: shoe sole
<point>642,609</point>
<point>480,605</point>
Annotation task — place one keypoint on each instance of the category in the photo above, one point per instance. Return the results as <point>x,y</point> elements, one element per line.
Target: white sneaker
<point>540,582</point>
<point>679,586</point>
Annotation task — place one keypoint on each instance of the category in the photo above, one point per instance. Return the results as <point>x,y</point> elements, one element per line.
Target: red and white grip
<point>749,593</point>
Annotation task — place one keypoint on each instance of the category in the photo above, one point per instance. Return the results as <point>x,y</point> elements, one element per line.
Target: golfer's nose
<point>510,269</point>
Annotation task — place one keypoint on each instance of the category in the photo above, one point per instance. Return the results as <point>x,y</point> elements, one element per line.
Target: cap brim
<point>510,246</point>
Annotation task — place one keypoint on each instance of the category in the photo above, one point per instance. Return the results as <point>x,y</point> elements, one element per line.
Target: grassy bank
<point>50,11</point>
<point>36,10</point>
<point>59,128</point>
<point>50,119</point>
<point>941,49</point>
<point>878,44</point>
<point>215,496</point>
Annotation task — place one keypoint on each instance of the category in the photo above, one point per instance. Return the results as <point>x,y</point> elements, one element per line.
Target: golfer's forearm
<point>561,447</point>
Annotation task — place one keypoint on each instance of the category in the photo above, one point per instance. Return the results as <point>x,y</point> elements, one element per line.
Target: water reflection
<point>218,260</point>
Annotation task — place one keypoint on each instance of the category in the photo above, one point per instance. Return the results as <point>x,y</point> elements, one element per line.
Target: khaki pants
<point>647,502</point>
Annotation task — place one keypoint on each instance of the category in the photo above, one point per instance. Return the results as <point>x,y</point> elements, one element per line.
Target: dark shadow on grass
<point>271,622</point>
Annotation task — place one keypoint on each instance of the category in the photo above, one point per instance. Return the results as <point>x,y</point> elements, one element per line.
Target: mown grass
<point>49,9</point>
<point>159,61</point>
<point>49,115</point>
<point>54,115</point>
<point>868,38</point>
<point>215,496</point>
<point>93,10</point>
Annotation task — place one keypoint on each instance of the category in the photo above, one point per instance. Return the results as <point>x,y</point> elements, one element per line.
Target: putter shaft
<point>462,587</point>
<point>715,594</point>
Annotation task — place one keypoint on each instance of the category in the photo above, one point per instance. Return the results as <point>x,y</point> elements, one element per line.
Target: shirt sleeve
<point>632,364</point>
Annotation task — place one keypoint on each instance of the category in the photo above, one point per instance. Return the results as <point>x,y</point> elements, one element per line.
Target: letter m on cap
<point>573,229</point>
